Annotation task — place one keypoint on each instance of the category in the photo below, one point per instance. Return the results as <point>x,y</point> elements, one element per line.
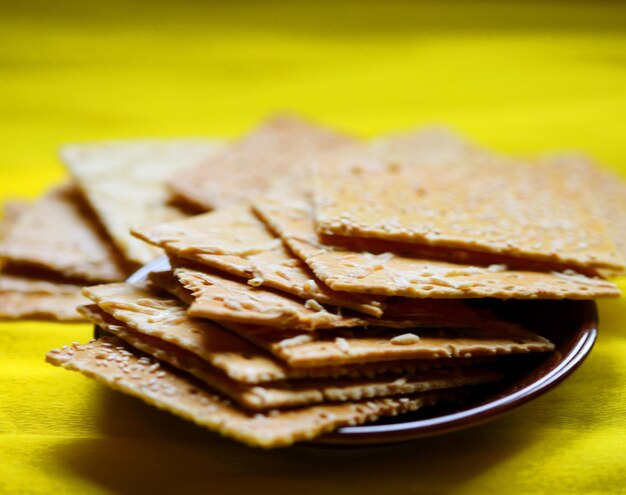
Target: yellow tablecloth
<point>519,77</point>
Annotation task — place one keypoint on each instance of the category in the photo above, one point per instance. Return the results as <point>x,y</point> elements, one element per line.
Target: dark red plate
<point>571,325</point>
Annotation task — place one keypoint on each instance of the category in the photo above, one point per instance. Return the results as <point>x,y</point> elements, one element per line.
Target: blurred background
<point>518,76</point>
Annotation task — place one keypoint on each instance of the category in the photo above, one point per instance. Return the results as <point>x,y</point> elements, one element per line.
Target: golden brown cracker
<point>124,181</point>
<point>279,147</point>
<point>291,393</point>
<point>432,145</point>
<point>109,362</point>
<point>219,298</point>
<point>391,274</point>
<point>58,235</point>
<point>23,296</point>
<point>163,317</point>
<point>40,306</point>
<point>234,240</point>
<point>479,203</point>
<point>156,315</point>
<point>310,349</point>
<point>606,192</point>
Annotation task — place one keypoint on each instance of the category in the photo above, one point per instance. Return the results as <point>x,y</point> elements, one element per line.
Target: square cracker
<point>156,315</point>
<point>23,296</point>
<point>58,235</point>
<point>311,349</point>
<point>607,192</point>
<point>107,361</point>
<point>414,276</point>
<point>219,298</point>
<point>277,148</point>
<point>234,240</point>
<point>282,394</point>
<point>124,182</point>
<point>480,203</point>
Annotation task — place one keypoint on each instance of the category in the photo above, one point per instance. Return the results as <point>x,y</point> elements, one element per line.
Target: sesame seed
<point>297,340</point>
<point>405,339</point>
<point>313,305</point>
<point>342,344</point>
<point>256,281</point>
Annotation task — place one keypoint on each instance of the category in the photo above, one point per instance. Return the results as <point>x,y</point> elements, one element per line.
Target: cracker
<point>296,393</point>
<point>277,148</point>
<point>219,298</point>
<point>309,349</point>
<point>23,296</point>
<point>479,203</point>
<point>34,305</point>
<point>409,276</point>
<point>156,315</point>
<point>432,145</point>
<point>607,191</point>
<point>124,181</point>
<point>165,318</point>
<point>234,240</point>
<point>12,210</point>
<point>57,235</point>
<point>16,282</point>
<point>107,361</point>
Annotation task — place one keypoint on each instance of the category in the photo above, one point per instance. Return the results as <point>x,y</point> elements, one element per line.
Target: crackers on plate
<point>327,282</point>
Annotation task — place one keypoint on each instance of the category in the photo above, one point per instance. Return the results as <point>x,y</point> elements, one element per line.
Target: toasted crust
<point>481,203</point>
<point>58,235</point>
<point>408,276</point>
<point>124,181</point>
<point>109,362</point>
<point>275,149</point>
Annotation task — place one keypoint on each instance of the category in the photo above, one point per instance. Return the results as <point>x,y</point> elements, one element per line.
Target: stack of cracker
<point>339,282</point>
<point>77,234</point>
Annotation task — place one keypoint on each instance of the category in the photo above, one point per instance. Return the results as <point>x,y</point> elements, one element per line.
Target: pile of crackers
<point>326,281</point>
<point>78,233</point>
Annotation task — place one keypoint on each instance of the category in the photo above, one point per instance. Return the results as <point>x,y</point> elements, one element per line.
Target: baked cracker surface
<point>108,361</point>
<point>393,274</point>
<point>124,181</point>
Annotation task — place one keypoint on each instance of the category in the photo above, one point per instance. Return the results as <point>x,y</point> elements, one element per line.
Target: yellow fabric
<point>520,77</point>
